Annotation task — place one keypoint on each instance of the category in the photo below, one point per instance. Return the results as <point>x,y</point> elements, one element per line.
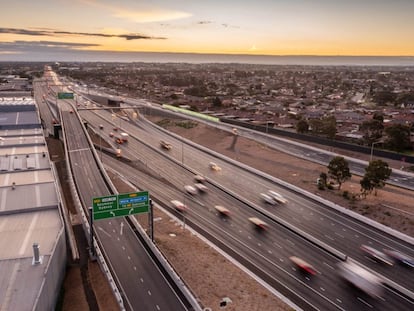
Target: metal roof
<point>29,214</point>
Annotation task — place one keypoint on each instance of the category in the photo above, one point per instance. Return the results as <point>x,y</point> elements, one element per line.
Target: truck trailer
<point>361,278</point>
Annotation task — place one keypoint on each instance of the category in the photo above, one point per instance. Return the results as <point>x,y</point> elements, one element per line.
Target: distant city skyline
<point>69,29</point>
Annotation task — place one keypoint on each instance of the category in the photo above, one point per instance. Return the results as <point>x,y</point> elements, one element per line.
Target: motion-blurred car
<point>377,255</point>
<point>222,210</point>
<point>400,257</point>
<point>165,145</point>
<point>201,187</point>
<point>214,166</point>
<point>260,224</point>
<point>179,205</point>
<point>115,129</point>
<point>190,189</point>
<point>111,134</point>
<point>267,199</point>
<point>276,196</point>
<point>303,265</point>
<point>199,179</point>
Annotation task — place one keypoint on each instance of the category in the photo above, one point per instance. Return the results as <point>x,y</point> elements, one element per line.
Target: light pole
<point>372,149</point>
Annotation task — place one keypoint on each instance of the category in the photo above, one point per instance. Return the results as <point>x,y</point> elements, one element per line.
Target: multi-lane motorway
<point>266,254</point>
<point>142,283</point>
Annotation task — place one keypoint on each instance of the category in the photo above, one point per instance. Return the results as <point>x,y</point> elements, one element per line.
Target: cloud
<point>39,46</point>
<point>229,26</point>
<point>150,16</point>
<point>54,33</point>
<point>204,22</point>
<point>142,13</point>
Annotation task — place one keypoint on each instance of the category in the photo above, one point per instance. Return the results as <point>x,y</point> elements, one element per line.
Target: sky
<point>262,27</point>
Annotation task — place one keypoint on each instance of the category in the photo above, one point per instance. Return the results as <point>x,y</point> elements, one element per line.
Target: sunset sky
<point>266,27</point>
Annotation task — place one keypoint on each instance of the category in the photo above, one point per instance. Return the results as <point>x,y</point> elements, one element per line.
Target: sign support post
<point>151,220</point>
<point>92,247</point>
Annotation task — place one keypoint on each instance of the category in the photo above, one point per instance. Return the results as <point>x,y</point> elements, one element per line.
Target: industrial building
<point>32,232</point>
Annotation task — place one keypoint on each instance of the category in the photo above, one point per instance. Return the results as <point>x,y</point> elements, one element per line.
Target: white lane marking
<point>142,280</point>
<point>322,289</point>
<point>328,266</point>
<point>149,292</point>
<point>281,259</point>
<point>158,307</point>
<point>100,229</point>
<point>270,251</point>
<point>76,150</point>
<point>278,245</point>
<point>123,248</point>
<point>339,300</point>
<point>329,237</point>
<point>290,242</point>
<point>339,235</point>
<point>364,302</point>
<point>135,268</point>
<point>122,227</point>
<point>129,258</point>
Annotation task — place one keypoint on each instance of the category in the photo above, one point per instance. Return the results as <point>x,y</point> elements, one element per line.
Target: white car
<point>268,199</point>
<point>277,196</point>
<point>222,210</point>
<point>190,189</point>
<point>214,166</point>
<point>199,179</point>
<point>179,205</point>
<point>201,187</point>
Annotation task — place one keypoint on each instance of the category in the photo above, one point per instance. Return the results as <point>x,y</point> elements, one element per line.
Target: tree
<point>372,130</point>
<point>302,126</point>
<point>217,102</point>
<point>378,116</point>
<point>366,186</point>
<point>376,173</point>
<point>398,137</point>
<point>322,181</point>
<point>338,170</point>
<point>325,126</point>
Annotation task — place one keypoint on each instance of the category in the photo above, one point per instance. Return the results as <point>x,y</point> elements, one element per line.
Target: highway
<point>398,178</point>
<point>138,276</point>
<point>237,236</point>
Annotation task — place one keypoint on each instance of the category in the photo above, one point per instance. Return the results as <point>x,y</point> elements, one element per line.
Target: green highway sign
<point>63,95</point>
<point>120,205</point>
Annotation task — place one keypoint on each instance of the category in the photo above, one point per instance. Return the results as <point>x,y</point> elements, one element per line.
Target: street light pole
<point>372,149</point>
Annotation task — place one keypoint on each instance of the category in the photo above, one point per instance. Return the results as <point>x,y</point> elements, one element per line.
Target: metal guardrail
<point>161,259</point>
<point>87,228</point>
<point>63,209</point>
<point>316,198</point>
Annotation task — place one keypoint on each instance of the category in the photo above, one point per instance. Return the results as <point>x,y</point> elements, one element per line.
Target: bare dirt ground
<point>210,275</point>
